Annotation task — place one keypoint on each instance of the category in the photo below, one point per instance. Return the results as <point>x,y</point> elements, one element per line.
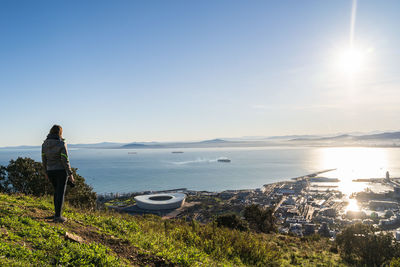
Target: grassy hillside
<point>28,237</point>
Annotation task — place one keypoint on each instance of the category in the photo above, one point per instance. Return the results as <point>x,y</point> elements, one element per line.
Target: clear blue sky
<point>190,70</point>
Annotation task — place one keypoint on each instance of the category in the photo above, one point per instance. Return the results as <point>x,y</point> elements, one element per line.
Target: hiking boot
<point>60,219</point>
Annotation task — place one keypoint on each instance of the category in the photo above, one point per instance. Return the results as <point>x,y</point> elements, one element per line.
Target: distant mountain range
<point>384,136</point>
<point>387,139</point>
<point>376,139</point>
<point>381,136</point>
<point>267,138</point>
<point>206,143</point>
<point>97,145</point>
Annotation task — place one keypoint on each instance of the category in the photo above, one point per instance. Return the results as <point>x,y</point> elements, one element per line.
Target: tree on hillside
<point>24,175</point>
<point>360,244</point>
<point>3,179</point>
<point>232,221</point>
<point>260,219</point>
<point>82,195</point>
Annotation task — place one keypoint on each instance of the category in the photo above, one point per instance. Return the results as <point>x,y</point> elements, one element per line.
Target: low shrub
<point>24,175</point>
<point>232,221</point>
<point>260,219</point>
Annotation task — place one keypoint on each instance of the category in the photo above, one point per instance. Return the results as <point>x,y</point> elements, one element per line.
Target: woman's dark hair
<point>57,130</point>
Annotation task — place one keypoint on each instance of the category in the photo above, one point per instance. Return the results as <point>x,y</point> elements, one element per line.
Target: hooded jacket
<point>55,154</point>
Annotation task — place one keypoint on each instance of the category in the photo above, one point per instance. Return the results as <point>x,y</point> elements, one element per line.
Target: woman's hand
<point>71,178</point>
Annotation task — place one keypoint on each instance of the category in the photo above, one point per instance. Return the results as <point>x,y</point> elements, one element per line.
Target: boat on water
<point>132,152</point>
<point>177,152</point>
<point>224,160</point>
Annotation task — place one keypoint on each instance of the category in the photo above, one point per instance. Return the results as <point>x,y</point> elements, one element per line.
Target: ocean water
<point>118,170</point>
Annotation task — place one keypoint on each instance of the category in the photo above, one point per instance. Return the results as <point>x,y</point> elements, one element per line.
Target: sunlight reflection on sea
<point>354,163</point>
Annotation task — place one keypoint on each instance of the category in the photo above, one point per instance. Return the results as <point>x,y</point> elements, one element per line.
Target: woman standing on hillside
<point>57,168</point>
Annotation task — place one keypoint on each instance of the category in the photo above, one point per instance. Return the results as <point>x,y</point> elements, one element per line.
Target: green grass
<point>25,240</point>
<point>120,202</point>
<point>114,239</point>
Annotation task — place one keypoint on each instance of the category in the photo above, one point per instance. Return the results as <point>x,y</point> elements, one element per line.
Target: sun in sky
<point>352,60</point>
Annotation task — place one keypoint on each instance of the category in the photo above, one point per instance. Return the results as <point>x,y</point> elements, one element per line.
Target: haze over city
<point>128,71</point>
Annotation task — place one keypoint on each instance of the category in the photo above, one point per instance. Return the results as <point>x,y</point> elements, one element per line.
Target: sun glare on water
<point>353,205</point>
<point>353,163</point>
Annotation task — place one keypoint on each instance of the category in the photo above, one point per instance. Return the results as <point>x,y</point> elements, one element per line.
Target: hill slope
<point>28,237</point>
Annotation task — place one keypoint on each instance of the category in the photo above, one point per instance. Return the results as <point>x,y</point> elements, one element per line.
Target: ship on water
<point>224,160</point>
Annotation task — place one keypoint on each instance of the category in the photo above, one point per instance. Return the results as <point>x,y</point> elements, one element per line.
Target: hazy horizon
<point>161,71</point>
<point>232,138</point>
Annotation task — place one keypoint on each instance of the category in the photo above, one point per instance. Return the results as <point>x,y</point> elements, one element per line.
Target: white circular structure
<point>165,201</point>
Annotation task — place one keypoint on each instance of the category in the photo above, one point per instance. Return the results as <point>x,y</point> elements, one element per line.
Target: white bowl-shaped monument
<point>160,201</point>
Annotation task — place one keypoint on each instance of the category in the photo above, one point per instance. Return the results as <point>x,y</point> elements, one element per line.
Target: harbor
<point>301,207</point>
